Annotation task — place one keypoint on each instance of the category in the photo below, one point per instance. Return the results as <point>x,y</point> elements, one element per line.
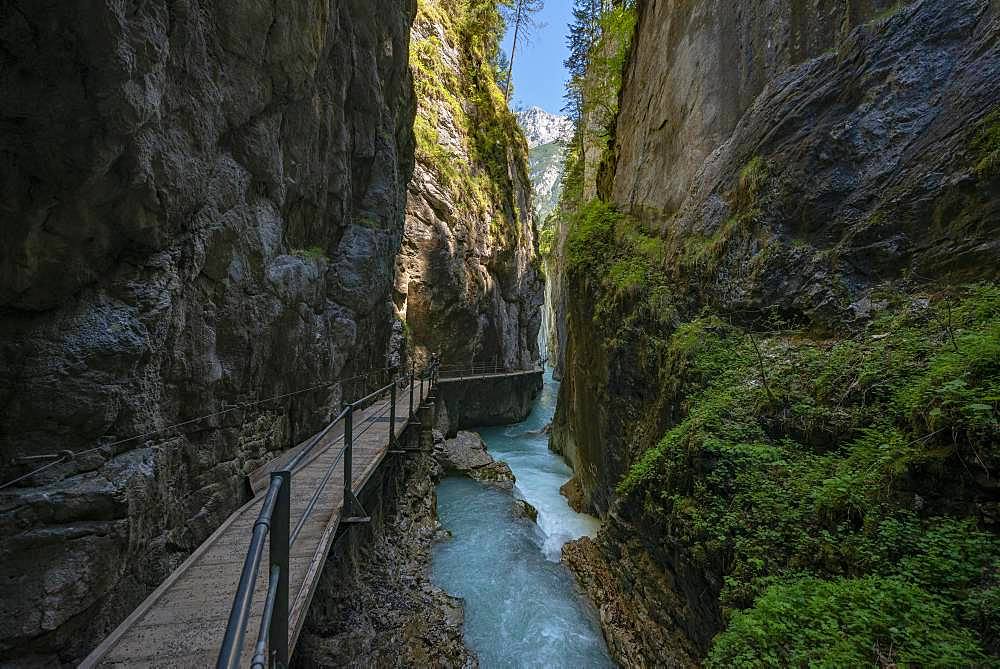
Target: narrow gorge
<point>639,333</point>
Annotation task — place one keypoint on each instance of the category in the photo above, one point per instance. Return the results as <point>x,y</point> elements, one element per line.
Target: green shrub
<point>986,147</point>
<point>864,622</point>
<point>859,458</point>
<point>314,253</point>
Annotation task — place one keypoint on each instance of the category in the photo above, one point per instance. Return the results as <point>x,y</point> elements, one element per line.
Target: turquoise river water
<point>522,606</point>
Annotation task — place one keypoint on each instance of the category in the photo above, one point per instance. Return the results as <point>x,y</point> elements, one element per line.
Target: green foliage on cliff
<point>825,479</point>
<point>601,47</point>
<point>477,174</point>
<point>986,147</point>
<point>846,622</point>
<point>612,252</point>
<point>312,253</point>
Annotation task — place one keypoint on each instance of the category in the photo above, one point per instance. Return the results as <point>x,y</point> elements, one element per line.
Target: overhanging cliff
<point>787,273</point>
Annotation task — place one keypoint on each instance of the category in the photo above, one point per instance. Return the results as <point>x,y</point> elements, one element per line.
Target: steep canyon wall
<point>468,280</point>
<point>785,167</point>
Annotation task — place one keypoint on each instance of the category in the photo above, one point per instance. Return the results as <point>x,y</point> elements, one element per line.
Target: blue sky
<point>539,75</point>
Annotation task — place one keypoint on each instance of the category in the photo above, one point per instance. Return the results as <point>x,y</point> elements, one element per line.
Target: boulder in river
<point>466,454</point>
<point>573,493</point>
<point>522,509</point>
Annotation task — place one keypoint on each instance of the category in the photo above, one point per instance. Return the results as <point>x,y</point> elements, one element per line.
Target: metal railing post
<point>348,452</point>
<point>278,634</point>
<point>412,380</point>
<point>392,412</point>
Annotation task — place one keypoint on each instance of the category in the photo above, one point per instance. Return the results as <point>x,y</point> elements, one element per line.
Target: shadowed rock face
<point>863,156</point>
<point>482,401</point>
<point>202,204</point>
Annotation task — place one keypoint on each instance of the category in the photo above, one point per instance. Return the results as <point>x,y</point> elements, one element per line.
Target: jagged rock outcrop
<point>783,163</point>
<point>202,205</point>
<point>636,616</point>
<point>468,279</point>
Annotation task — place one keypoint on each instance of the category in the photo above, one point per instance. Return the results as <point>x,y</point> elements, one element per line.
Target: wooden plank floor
<point>181,624</point>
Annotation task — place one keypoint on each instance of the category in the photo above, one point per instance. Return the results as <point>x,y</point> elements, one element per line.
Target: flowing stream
<point>522,607</point>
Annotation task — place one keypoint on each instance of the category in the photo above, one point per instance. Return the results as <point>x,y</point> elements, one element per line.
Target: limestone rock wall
<point>468,279</point>
<point>792,157</point>
<point>845,160</point>
<point>202,206</point>
<point>699,66</point>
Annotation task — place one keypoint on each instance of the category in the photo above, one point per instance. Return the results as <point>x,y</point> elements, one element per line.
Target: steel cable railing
<point>461,371</point>
<point>271,647</point>
<point>65,456</point>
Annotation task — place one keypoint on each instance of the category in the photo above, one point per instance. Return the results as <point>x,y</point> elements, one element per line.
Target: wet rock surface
<point>466,454</point>
<point>375,605</point>
<point>522,509</point>
<point>573,492</point>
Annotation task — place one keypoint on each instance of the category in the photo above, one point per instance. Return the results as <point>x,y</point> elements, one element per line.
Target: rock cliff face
<point>835,179</point>
<point>778,163</point>
<point>202,205</point>
<point>468,280</point>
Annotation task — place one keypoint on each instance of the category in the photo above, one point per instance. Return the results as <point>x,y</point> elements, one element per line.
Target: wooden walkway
<point>182,623</point>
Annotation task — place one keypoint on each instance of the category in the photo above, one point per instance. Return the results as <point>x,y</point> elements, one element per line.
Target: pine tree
<point>521,15</point>
<point>583,34</point>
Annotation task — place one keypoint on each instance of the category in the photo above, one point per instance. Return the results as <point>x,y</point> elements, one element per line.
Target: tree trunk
<point>513,51</point>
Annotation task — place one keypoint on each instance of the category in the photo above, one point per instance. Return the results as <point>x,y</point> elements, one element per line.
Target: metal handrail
<point>260,649</point>
<point>271,647</point>
<point>232,643</point>
<point>457,371</point>
<point>55,459</point>
<point>297,460</point>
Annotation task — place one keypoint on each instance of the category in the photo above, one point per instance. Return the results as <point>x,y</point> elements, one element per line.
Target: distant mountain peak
<point>540,127</point>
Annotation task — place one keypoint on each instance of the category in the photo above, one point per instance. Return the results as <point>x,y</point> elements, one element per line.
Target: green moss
<point>750,187</point>
<point>818,473</point>
<point>478,176</point>
<point>314,253</point>
<point>889,12</point>
<point>986,147</point>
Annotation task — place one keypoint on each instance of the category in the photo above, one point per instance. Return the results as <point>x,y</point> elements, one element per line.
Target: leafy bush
<point>846,622</point>
<point>837,461</point>
<point>986,147</point>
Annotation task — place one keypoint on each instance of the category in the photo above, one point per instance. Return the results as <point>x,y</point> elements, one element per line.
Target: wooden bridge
<point>202,612</point>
